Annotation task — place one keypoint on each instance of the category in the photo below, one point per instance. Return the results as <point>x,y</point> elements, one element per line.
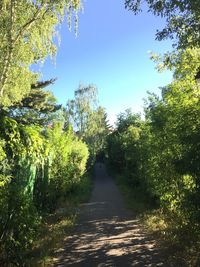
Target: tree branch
<point>8,58</point>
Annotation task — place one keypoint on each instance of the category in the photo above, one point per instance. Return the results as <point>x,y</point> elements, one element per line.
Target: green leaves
<point>123,146</point>
<point>88,119</point>
<point>161,154</point>
<point>182,19</point>
<point>38,167</point>
<point>27,38</point>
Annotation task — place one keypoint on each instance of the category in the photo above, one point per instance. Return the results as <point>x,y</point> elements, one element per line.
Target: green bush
<point>38,167</point>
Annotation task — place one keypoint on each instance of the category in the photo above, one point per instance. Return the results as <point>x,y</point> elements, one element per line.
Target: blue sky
<point>111,51</point>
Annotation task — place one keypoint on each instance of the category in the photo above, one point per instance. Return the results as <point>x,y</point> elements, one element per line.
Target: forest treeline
<point>46,149</point>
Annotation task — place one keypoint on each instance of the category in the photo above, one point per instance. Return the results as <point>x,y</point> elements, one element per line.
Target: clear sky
<point>110,51</point>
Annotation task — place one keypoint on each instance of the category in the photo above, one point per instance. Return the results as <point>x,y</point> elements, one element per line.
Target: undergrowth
<point>180,243</point>
<point>57,225</point>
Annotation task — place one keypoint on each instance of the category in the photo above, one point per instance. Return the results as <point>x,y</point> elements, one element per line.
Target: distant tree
<point>97,132</point>
<point>126,119</point>
<point>80,109</point>
<point>182,19</point>
<point>88,119</point>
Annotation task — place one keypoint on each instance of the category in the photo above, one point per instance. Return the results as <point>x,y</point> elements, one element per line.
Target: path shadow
<point>107,234</point>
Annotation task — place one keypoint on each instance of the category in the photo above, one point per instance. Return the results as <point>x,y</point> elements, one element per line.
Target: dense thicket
<point>39,166</point>
<point>41,158</point>
<point>161,153</point>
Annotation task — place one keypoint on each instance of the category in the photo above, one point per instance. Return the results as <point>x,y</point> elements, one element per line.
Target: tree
<point>126,119</point>
<point>37,107</point>
<point>122,144</point>
<point>38,167</point>
<point>80,109</point>
<point>27,33</point>
<point>172,145</point>
<point>182,19</point>
<point>88,119</point>
<point>97,133</point>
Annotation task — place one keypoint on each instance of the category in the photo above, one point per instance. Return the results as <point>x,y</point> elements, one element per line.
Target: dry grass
<point>180,243</point>
<point>57,225</point>
<point>52,232</point>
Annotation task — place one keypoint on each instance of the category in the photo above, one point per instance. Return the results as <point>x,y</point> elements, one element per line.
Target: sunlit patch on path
<point>107,234</point>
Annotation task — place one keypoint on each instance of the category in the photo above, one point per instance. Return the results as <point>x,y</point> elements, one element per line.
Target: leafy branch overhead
<point>182,19</point>
<point>37,107</point>
<point>28,38</point>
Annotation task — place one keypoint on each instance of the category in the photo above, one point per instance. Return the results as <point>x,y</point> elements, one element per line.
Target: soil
<point>107,233</point>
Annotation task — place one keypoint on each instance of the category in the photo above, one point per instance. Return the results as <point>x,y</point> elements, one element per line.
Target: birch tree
<point>27,32</point>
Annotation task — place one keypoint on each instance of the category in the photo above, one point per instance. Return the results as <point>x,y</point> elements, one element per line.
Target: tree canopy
<point>28,31</point>
<point>182,19</point>
<point>88,118</point>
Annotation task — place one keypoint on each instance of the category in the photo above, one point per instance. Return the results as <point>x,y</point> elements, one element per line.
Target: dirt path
<point>107,234</point>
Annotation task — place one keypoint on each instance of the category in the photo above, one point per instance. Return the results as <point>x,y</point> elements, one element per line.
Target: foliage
<point>68,161</point>
<point>4,166</point>
<point>182,19</point>
<point>37,107</point>
<point>122,143</point>
<point>161,153</point>
<point>27,38</point>
<point>42,161</point>
<point>126,119</point>
<point>88,119</point>
<point>41,167</point>
<point>19,218</point>
<point>58,223</point>
<point>175,170</point>
<point>80,109</point>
